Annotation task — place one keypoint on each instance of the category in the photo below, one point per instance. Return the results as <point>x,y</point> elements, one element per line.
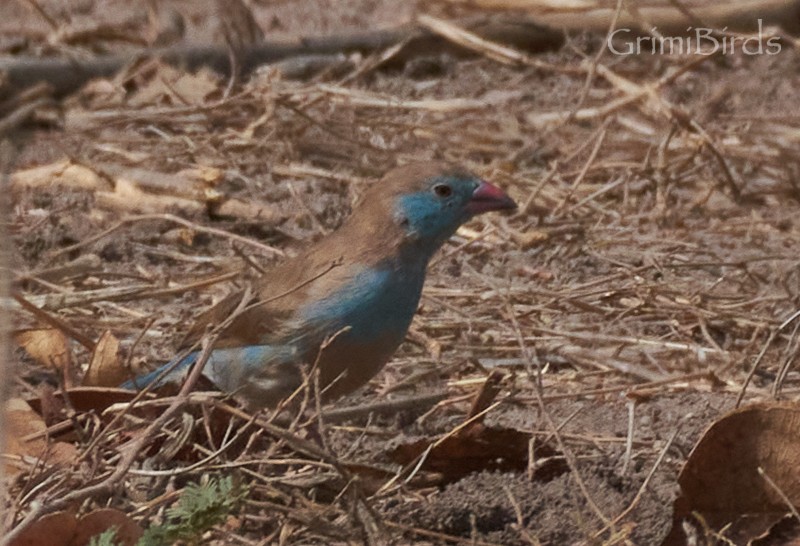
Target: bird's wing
<point>269,318</point>
<point>242,330</point>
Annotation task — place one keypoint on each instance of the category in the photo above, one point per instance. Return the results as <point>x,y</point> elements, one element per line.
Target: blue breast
<point>378,303</point>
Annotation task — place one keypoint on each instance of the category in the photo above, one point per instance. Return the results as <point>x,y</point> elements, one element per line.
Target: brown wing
<point>277,296</point>
<point>247,329</point>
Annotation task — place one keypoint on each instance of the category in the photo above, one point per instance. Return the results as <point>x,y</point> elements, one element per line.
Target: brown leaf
<point>92,524</point>
<point>786,532</point>
<point>54,529</point>
<point>721,480</point>
<point>47,346</point>
<point>480,448</point>
<point>64,529</point>
<point>22,422</point>
<point>83,399</point>
<point>105,368</point>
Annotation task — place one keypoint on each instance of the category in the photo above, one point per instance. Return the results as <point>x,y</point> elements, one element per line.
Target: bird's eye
<point>442,190</point>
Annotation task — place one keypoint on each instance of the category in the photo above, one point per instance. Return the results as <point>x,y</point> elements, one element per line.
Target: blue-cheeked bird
<point>346,302</point>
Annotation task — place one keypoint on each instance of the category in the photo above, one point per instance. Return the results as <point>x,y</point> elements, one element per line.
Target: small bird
<point>345,304</point>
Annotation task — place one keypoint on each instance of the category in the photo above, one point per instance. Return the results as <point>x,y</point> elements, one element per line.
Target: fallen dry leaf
<point>92,524</point>
<point>84,399</point>
<point>56,529</point>
<point>65,529</point>
<point>722,479</point>
<point>47,346</point>
<point>105,368</point>
<point>22,422</point>
<point>478,448</point>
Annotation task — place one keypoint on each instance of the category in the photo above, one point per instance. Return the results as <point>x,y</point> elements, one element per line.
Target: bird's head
<point>431,200</point>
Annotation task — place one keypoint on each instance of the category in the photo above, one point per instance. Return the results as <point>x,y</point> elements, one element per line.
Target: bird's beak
<point>488,197</point>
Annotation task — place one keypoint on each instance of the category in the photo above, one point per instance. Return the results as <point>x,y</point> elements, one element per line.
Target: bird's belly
<point>346,364</point>
<point>365,324</point>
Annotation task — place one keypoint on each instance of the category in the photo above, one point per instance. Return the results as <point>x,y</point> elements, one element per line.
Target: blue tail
<point>160,377</point>
<point>261,375</point>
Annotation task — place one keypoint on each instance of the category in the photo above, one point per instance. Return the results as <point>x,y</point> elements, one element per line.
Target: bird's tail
<point>173,372</point>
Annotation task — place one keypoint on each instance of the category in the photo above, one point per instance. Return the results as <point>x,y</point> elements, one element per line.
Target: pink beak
<point>488,197</point>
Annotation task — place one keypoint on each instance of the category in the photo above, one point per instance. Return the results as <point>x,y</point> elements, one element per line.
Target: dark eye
<point>442,190</point>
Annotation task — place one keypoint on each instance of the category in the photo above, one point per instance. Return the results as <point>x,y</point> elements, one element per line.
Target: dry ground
<point>655,252</point>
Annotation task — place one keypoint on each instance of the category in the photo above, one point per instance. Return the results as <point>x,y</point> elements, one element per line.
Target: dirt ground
<point>655,250</point>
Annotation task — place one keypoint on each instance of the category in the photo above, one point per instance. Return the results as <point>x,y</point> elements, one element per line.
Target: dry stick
<point>455,34</point>
<point>7,158</point>
<point>209,455</point>
<point>132,350</point>
<point>792,348</point>
<point>168,218</point>
<point>578,179</point>
<point>55,322</point>
<point>123,293</point>
<point>439,536</point>
<point>79,266</point>
<point>388,407</point>
<point>567,420</point>
<point>712,146</point>
<point>677,114</point>
<point>639,388</point>
<point>42,13</point>
<point>735,15</point>
<point>420,460</point>
<point>471,41</point>
<point>626,459</point>
<point>520,525</point>
<point>325,127</point>
<point>394,51</point>
<point>528,207</point>
<point>761,354</point>
<point>354,97</point>
<point>295,442</point>
<point>625,339</point>
<point>22,114</point>
<point>642,489</point>
<point>633,93</point>
<point>604,189</point>
<point>592,72</point>
<point>365,514</point>
<point>367,66</point>
<point>784,497</point>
